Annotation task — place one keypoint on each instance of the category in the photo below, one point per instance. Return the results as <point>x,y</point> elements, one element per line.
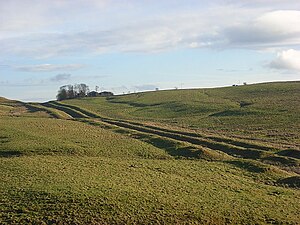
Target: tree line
<point>79,90</point>
<point>72,91</point>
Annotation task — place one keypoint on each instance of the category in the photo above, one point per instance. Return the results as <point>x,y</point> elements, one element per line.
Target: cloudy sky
<point>138,45</point>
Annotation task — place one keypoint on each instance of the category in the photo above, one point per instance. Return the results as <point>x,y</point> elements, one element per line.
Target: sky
<point>139,45</point>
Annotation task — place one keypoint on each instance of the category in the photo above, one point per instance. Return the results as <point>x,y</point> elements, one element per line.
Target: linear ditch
<point>228,148</point>
<point>173,147</point>
<point>195,135</point>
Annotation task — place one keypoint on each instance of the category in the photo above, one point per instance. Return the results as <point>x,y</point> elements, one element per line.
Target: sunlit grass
<point>263,111</point>
<point>59,170</point>
<point>107,190</point>
<point>30,136</point>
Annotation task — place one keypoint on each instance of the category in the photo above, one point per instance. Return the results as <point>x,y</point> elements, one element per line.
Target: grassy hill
<point>261,111</point>
<point>203,156</point>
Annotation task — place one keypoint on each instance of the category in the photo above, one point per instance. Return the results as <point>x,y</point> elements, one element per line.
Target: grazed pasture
<point>203,156</point>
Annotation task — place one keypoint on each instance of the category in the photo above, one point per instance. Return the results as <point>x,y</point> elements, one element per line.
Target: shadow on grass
<point>231,149</point>
<point>170,142</point>
<point>3,139</point>
<point>290,153</point>
<point>249,166</point>
<point>65,109</point>
<point>281,160</point>
<point>31,108</point>
<point>10,153</point>
<point>134,104</point>
<point>233,113</point>
<point>293,181</point>
<point>173,148</point>
<point>7,153</point>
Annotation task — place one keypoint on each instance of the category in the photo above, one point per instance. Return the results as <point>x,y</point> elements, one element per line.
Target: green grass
<point>262,111</point>
<point>203,156</point>
<point>40,136</point>
<point>214,144</point>
<point>12,108</point>
<point>35,107</point>
<point>106,190</point>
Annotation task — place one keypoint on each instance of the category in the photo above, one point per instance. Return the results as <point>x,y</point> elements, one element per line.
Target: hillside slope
<point>267,112</point>
<point>204,156</point>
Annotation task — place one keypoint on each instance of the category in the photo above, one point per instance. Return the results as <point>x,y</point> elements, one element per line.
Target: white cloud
<point>33,15</point>
<point>69,27</point>
<point>272,29</point>
<point>49,67</point>
<point>287,60</point>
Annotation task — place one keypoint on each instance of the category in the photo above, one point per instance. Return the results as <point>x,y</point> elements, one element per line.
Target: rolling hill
<point>201,156</point>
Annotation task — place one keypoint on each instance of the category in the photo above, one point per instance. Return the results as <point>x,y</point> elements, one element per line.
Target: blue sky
<point>124,46</point>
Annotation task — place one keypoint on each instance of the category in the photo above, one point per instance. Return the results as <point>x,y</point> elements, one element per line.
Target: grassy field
<point>36,136</point>
<point>207,156</point>
<point>264,111</point>
<point>98,190</point>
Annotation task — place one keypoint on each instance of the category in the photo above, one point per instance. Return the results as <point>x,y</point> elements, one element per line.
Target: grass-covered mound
<point>267,111</point>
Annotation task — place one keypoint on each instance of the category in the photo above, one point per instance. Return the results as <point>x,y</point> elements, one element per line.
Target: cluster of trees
<point>72,91</point>
<point>78,91</point>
